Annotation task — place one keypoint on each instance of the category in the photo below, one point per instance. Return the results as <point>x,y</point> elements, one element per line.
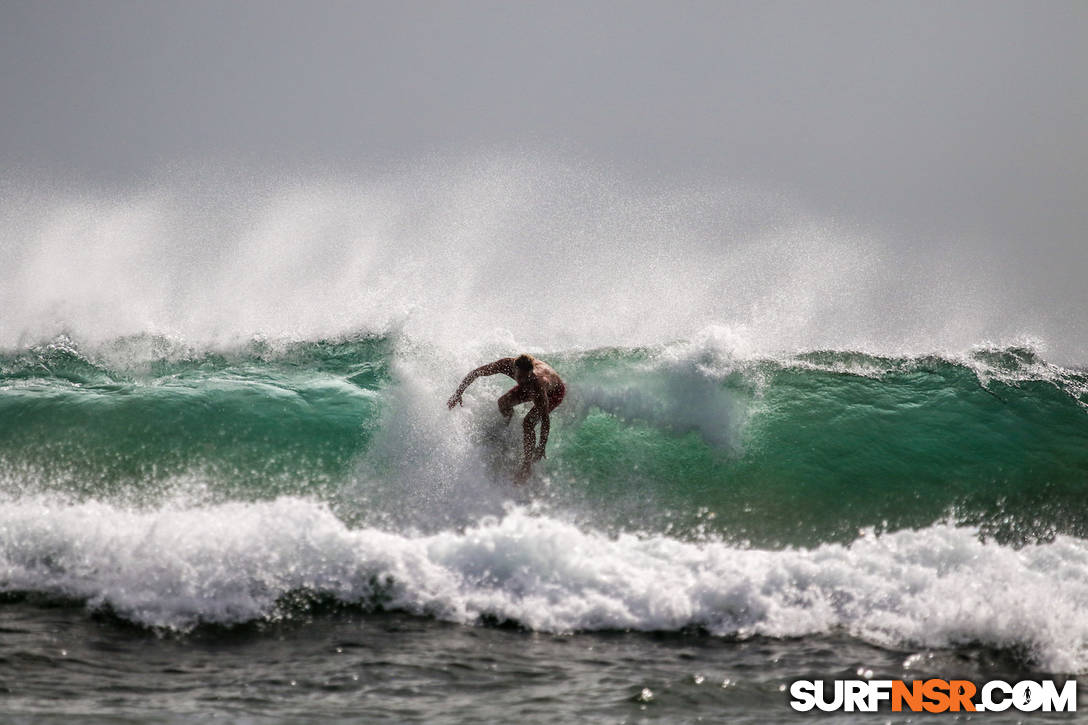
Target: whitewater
<point>789,447</point>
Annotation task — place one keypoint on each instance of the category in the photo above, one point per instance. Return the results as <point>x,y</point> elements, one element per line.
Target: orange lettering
<point>961,693</point>
<point>937,691</point>
<point>913,696</point>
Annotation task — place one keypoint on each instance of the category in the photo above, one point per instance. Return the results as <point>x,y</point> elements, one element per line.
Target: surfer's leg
<point>512,397</point>
<point>528,427</point>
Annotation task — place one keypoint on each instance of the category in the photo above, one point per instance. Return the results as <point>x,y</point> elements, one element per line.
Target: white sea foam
<point>177,567</point>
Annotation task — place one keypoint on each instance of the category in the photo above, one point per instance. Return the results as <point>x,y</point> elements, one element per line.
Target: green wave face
<point>250,424</point>
<point>818,446</point>
<point>800,450</point>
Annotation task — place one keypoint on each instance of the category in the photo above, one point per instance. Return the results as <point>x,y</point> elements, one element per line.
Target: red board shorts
<point>556,397</point>
<point>521,395</point>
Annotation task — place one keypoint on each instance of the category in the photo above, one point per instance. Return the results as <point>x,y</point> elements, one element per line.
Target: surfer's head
<point>523,367</point>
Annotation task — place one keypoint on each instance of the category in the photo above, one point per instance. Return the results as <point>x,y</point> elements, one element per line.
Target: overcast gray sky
<point>957,116</point>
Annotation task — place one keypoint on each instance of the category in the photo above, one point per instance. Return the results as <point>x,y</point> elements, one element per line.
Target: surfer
<point>537,383</point>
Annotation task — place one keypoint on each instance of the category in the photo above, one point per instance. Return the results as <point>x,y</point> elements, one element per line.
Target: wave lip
<point>176,568</point>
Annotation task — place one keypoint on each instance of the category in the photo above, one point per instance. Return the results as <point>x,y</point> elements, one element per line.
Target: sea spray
<point>465,253</point>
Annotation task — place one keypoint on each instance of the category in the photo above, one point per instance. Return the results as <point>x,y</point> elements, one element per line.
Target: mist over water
<point>490,254</point>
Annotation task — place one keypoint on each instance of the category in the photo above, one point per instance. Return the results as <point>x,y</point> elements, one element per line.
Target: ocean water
<point>230,487</point>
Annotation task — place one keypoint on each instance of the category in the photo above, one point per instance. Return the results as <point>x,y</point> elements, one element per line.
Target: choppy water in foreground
<point>345,666</point>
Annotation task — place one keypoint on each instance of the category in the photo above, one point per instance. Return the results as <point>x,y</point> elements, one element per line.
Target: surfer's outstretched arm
<point>504,366</point>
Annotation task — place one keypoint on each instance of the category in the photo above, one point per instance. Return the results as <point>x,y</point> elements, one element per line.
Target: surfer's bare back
<point>536,383</point>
